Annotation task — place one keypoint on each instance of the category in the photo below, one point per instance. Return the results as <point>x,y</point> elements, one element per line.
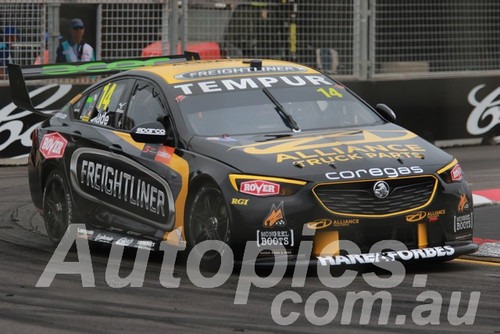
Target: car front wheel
<point>208,219</point>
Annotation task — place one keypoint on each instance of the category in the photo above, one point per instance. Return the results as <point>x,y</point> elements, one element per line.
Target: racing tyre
<point>57,206</point>
<point>208,219</point>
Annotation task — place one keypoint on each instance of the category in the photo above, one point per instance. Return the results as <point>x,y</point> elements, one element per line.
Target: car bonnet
<point>382,151</point>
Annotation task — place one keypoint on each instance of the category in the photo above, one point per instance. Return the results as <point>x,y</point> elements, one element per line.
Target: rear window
<point>103,106</point>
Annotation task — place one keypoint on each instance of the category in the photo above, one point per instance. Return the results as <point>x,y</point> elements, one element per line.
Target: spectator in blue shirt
<point>9,36</point>
<point>75,49</point>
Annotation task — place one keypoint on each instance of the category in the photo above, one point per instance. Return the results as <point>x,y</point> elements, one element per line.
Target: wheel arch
<point>47,168</point>
<point>194,185</point>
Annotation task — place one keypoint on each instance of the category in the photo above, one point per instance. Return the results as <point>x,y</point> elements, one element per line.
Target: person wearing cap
<point>9,37</point>
<point>75,49</point>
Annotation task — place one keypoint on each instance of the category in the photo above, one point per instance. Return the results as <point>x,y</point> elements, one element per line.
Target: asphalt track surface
<point>67,307</point>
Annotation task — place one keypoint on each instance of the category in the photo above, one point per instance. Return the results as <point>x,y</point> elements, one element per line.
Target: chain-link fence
<point>315,33</point>
<point>434,36</point>
<point>129,28</point>
<point>22,32</point>
<point>359,39</point>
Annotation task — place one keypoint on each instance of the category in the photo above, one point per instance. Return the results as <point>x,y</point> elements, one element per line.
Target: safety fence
<point>434,36</point>
<point>354,39</point>
<point>22,31</point>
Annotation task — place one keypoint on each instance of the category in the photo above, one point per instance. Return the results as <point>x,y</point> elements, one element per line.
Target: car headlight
<point>452,172</point>
<point>264,186</point>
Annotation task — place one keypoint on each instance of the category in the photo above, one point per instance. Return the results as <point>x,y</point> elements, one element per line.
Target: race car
<point>262,152</point>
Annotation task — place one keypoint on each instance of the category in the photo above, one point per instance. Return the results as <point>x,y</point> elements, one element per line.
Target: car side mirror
<point>386,112</point>
<point>150,132</point>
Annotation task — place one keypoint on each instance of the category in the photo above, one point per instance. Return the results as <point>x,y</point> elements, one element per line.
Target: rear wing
<point>18,74</point>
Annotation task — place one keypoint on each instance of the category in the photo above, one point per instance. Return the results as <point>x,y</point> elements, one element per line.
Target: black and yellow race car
<point>181,150</point>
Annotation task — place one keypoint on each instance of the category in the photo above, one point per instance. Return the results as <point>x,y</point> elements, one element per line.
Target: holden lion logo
<point>276,217</point>
<point>381,189</point>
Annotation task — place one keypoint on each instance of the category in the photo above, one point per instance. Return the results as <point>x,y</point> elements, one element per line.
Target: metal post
<point>356,39</point>
<point>293,33</point>
<point>98,38</point>
<point>165,32</point>
<point>44,32</point>
<point>52,32</point>
<point>364,67</point>
<point>371,14</point>
<point>173,35</point>
<point>183,25</point>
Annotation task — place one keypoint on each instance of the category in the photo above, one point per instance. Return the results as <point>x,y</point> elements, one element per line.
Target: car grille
<point>357,198</point>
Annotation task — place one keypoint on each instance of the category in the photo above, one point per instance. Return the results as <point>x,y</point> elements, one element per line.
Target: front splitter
<point>437,253</point>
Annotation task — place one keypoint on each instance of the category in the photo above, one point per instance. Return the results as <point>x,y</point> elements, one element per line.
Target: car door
<point>155,185</point>
<point>106,182</point>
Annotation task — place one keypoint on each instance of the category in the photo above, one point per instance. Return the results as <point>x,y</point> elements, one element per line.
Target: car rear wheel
<point>57,206</point>
<point>208,219</point>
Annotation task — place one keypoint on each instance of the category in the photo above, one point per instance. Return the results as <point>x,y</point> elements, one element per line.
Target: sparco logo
<point>381,189</point>
<point>375,172</point>
<point>151,131</point>
<point>487,110</point>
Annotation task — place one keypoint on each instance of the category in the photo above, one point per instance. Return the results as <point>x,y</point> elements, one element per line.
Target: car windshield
<point>253,112</point>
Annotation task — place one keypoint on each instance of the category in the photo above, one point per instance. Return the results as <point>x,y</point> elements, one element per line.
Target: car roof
<point>178,72</point>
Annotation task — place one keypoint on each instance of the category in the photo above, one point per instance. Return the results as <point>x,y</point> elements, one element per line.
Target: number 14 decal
<point>330,93</point>
<point>106,96</point>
